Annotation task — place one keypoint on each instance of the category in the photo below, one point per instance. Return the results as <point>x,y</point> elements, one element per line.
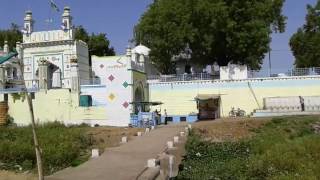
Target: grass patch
<point>285,148</point>
<point>61,147</point>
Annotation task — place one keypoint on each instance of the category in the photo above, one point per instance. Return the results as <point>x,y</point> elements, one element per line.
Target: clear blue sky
<point>116,18</point>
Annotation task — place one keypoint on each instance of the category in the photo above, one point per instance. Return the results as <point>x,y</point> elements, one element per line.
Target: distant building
<point>9,70</point>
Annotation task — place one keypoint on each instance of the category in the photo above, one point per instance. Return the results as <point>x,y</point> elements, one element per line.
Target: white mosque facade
<point>58,49</point>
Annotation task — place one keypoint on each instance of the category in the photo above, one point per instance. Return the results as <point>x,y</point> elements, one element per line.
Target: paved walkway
<point>124,162</point>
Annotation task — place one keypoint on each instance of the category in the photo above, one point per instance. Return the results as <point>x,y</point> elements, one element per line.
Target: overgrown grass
<point>61,147</point>
<point>285,148</point>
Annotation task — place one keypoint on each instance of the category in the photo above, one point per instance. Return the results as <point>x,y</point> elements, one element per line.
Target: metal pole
<point>270,63</point>
<point>33,124</point>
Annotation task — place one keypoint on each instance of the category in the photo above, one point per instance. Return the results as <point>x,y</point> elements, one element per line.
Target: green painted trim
<point>7,57</point>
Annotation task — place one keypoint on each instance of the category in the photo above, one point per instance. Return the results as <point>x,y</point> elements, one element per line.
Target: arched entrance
<point>139,97</point>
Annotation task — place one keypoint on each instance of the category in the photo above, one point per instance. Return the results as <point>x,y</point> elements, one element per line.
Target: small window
<point>183,119</point>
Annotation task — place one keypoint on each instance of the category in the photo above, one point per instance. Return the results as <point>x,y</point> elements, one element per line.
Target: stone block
<point>124,139</point>
<point>176,139</point>
<point>151,163</point>
<point>170,144</point>
<point>95,153</point>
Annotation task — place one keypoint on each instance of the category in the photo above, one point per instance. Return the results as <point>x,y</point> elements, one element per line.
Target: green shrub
<point>285,148</point>
<point>61,147</point>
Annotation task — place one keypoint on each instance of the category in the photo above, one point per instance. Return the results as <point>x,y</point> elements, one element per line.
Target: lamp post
<point>269,62</point>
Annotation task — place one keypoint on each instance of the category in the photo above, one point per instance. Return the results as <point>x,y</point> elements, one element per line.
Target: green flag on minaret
<point>54,6</point>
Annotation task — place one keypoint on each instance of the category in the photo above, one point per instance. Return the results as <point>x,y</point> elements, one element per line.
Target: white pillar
<point>43,74</point>
<point>74,74</point>
<point>2,76</point>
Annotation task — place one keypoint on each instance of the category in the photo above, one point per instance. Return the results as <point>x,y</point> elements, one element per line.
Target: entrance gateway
<point>208,106</point>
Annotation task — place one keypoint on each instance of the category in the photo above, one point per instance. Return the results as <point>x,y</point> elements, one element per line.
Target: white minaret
<point>128,52</point>
<point>66,19</point>
<point>19,50</point>
<point>6,47</point>
<point>28,23</point>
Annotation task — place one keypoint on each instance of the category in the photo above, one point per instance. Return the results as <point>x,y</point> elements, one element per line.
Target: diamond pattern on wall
<point>125,84</point>
<point>111,78</point>
<point>125,104</point>
<point>112,96</point>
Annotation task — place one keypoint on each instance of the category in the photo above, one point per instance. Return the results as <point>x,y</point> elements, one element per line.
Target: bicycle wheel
<point>242,113</point>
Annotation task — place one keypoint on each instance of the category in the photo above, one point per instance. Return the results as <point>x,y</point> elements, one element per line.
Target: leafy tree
<point>98,44</point>
<point>81,34</point>
<point>11,35</point>
<point>305,43</point>
<point>211,30</point>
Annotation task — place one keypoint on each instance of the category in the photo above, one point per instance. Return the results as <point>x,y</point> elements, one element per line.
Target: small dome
<point>141,49</point>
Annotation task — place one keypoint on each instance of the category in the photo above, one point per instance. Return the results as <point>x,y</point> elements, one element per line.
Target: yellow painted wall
<point>178,98</point>
<point>58,104</point>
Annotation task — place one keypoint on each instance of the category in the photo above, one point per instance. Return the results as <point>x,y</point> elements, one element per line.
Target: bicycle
<point>237,113</point>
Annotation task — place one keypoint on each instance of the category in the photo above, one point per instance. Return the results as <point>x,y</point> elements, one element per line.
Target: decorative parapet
<point>137,66</point>
<point>156,82</point>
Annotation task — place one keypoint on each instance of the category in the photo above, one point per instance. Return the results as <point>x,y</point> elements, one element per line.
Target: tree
<point>11,35</point>
<point>305,43</point>
<point>98,44</point>
<point>219,31</point>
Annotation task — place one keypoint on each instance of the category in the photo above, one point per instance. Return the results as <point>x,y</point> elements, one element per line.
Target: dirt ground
<point>102,137</point>
<point>6,175</point>
<point>228,128</point>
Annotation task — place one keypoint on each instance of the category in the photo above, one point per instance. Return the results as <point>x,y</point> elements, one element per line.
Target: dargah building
<point>66,87</point>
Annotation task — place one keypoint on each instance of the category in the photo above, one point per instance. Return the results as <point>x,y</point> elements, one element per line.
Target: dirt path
<point>124,162</point>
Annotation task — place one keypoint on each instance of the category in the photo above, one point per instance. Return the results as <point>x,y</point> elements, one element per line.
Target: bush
<point>285,148</point>
<point>61,147</point>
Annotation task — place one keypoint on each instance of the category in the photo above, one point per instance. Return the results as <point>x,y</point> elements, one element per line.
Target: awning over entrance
<point>204,97</point>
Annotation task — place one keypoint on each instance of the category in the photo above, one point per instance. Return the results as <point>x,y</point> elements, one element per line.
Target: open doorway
<point>54,76</point>
<point>208,107</point>
<point>139,97</point>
